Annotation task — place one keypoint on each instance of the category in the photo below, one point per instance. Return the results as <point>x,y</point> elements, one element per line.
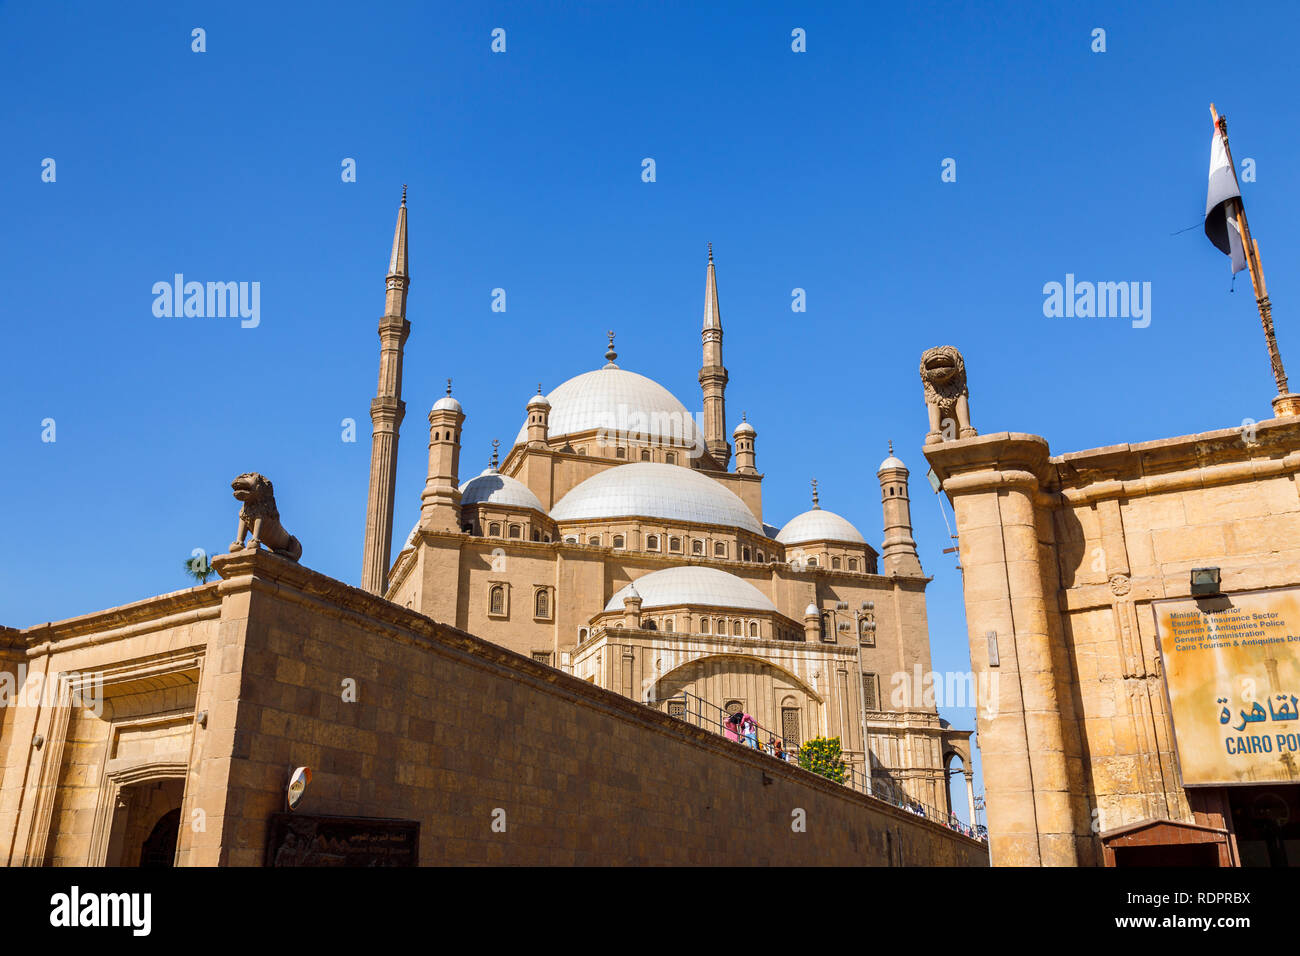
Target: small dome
<point>490,487</point>
<point>819,525</point>
<point>811,611</point>
<point>446,403</point>
<point>539,401</point>
<point>646,489</point>
<point>890,462</point>
<point>694,584</point>
<point>744,428</point>
<point>630,593</point>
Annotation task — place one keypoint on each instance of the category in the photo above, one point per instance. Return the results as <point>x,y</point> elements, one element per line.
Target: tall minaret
<point>898,553</point>
<point>713,377</point>
<point>386,413</point>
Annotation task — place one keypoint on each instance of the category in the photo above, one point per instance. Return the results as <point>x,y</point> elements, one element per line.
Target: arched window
<point>582,451</point>
<point>853,564</point>
<point>720,549</point>
<point>618,541</point>
<point>645,454</point>
<point>704,625</point>
<point>594,539</point>
<point>722,627</point>
<point>753,629</point>
<point>494,529</point>
<point>827,627</point>
<point>542,603</point>
<point>760,557</point>
<point>745,554</point>
<point>675,545</point>
<point>737,629</point>
<point>582,634</point>
<point>812,562</point>
<point>670,458</point>
<point>652,542</point>
<point>515,531</point>
<point>497,599</point>
<point>620,452</point>
<point>537,535</point>
<point>571,539</point>
<point>668,624</point>
<point>835,564</point>
<point>697,547</point>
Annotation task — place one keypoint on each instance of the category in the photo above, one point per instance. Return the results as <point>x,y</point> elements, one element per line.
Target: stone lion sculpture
<point>943,374</point>
<point>259,516</point>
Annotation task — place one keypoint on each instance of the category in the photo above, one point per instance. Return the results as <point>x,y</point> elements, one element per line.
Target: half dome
<point>693,584</point>
<point>652,490</point>
<point>819,525</point>
<point>490,487</point>
<point>617,400</point>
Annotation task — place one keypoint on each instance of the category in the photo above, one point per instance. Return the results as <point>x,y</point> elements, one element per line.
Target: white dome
<point>651,490</point>
<point>618,400</point>
<point>819,525</point>
<point>694,585</point>
<point>890,462</point>
<point>489,487</point>
<point>446,403</point>
<point>744,428</point>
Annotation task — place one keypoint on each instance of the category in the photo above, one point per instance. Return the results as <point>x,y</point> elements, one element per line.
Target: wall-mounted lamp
<point>38,741</point>
<point>202,719</point>
<point>1205,581</point>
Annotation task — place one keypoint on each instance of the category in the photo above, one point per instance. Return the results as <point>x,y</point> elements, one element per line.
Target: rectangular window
<point>542,657</point>
<point>790,727</point>
<point>870,692</point>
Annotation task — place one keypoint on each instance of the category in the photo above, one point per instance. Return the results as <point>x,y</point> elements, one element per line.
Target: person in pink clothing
<point>730,726</point>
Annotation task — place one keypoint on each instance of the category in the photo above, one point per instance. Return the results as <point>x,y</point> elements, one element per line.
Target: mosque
<point>623,541</point>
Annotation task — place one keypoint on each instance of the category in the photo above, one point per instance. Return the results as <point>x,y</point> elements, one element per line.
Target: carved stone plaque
<point>297,839</point>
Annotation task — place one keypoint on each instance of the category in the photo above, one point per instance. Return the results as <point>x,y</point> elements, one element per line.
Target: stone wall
<point>445,729</point>
<point>1062,557</point>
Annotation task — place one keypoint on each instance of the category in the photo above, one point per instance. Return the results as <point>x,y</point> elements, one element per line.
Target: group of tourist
<point>743,729</point>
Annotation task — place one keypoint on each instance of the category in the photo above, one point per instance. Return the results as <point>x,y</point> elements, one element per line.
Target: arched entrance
<point>146,823</point>
<point>159,848</point>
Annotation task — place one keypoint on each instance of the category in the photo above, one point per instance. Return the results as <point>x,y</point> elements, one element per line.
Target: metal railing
<point>709,716</point>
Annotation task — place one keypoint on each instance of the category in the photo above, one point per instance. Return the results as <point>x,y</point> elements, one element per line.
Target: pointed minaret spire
<point>386,413</point>
<point>713,375</point>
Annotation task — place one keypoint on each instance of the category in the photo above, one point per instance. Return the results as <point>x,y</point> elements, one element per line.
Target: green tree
<point>823,756</point>
<point>199,566</point>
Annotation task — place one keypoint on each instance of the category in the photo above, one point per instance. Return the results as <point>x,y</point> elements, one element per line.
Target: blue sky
<point>818,171</point>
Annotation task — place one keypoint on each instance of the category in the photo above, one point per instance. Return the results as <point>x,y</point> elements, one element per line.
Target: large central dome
<point>650,490</point>
<point>617,400</point>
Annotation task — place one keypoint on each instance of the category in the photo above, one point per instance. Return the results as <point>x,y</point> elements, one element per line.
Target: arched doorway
<point>159,848</point>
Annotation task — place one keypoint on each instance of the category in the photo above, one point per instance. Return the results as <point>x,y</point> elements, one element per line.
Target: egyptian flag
<point>1221,205</point>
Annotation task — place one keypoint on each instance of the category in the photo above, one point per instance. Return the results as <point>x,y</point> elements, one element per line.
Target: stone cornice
<point>154,611</point>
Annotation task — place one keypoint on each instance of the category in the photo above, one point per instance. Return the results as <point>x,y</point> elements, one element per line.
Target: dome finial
<point>496,443</point>
<point>611,354</point>
<point>539,388</point>
<point>815,502</point>
<point>891,448</point>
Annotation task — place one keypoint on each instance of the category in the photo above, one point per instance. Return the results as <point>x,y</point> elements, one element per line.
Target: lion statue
<point>259,516</point>
<point>943,374</point>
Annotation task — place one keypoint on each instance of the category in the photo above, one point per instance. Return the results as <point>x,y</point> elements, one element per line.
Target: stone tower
<point>745,459</point>
<point>386,413</point>
<point>440,502</point>
<point>713,376</point>
<point>539,413</point>
<point>898,554</point>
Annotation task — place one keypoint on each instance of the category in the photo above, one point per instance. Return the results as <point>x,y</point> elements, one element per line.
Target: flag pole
<point>1285,403</point>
